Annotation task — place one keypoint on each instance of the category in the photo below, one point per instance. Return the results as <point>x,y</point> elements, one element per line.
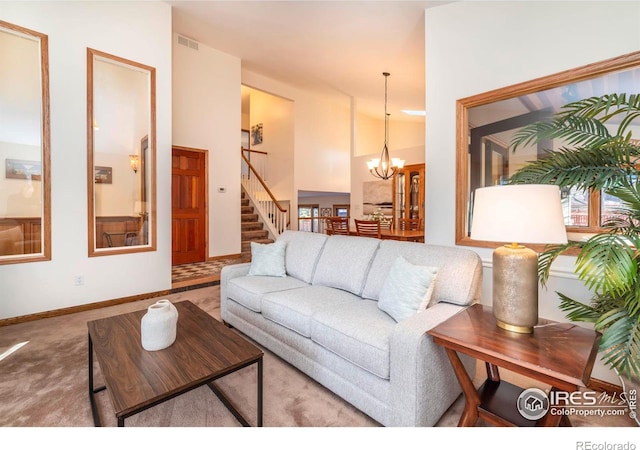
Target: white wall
<point>406,141</point>
<point>474,47</point>
<point>207,116</point>
<point>321,133</point>
<point>72,27</point>
<point>276,116</point>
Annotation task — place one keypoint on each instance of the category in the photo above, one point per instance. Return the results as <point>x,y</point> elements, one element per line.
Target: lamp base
<point>515,288</point>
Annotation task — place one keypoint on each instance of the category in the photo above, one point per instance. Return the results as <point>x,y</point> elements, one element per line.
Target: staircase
<point>252,230</point>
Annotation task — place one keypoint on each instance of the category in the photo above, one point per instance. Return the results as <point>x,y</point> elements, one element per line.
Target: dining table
<point>403,235</point>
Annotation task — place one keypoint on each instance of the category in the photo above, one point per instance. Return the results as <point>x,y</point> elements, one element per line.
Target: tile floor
<point>201,273</point>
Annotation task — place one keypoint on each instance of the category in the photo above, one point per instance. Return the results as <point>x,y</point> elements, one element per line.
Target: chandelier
<point>385,167</point>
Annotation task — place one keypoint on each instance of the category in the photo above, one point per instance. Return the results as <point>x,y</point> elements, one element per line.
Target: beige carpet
<point>44,384</point>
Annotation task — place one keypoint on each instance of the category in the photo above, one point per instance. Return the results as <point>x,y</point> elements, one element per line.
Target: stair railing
<point>273,214</point>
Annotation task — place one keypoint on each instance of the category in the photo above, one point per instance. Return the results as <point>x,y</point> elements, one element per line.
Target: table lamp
<point>522,213</point>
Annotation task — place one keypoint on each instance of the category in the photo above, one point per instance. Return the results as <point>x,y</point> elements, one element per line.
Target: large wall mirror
<point>25,191</point>
<point>488,121</point>
<point>121,155</point>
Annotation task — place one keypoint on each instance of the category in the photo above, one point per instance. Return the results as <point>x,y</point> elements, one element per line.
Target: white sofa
<point>323,318</point>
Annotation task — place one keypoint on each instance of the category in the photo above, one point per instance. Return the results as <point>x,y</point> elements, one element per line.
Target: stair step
<point>249,226</point>
<point>249,217</point>
<point>244,202</point>
<point>254,234</point>
<point>246,209</point>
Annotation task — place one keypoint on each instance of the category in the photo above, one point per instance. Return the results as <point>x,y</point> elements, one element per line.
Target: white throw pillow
<point>407,289</point>
<point>268,259</point>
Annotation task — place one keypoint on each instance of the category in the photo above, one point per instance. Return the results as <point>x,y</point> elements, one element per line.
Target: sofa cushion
<point>345,261</point>
<point>294,309</point>
<point>457,268</point>
<point>357,331</point>
<point>268,259</point>
<point>303,252</point>
<point>407,289</point>
<point>248,290</point>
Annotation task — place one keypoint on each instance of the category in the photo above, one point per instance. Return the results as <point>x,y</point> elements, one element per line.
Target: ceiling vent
<point>187,42</point>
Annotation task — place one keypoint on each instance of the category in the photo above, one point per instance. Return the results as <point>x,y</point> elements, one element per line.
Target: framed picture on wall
<point>103,175</point>
<point>256,134</point>
<point>326,212</point>
<point>22,169</point>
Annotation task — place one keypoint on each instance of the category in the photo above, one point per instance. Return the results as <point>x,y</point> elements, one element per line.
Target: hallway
<point>202,273</point>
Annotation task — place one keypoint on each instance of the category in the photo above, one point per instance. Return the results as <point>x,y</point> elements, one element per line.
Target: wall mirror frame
<point>482,150</point>
<point>121,155</point>
<point>25,181</point>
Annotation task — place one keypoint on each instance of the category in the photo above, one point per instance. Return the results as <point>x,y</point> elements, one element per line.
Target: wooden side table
<point>558,354</point>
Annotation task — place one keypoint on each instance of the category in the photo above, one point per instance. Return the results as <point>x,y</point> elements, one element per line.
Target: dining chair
<point>408,224</point>
<point>369,228</point>
<point>338,225</point>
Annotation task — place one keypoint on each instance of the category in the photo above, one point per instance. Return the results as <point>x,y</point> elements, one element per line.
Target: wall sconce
<point>133,162</point>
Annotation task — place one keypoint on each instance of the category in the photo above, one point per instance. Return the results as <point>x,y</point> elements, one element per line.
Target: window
<point>487,123</point>
<point>308,218</point>
<point>341,210</point>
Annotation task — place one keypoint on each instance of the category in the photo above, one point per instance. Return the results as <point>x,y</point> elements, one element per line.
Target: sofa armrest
<point>227,274</point>
<point>423,384</point>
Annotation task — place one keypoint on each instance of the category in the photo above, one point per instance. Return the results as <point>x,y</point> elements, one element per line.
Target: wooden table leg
<point>472,399</point>
<point>554,420</point>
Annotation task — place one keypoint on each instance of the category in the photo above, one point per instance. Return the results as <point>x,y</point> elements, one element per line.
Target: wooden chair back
<point>369,228</point>
<point>409,224</point>
<point>338,225</point>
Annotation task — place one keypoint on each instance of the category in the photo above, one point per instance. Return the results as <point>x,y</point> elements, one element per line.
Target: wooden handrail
<point>276,202</point>
<point>252,151</point>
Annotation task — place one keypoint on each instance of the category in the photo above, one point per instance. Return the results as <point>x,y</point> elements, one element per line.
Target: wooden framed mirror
<point>25,189</point>
<point>487,122</point>
<point>121,156</point>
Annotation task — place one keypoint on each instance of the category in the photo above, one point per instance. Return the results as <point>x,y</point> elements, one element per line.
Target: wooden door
<point>188,205</point>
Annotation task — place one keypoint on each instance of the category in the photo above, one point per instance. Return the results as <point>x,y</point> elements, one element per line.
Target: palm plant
<point>600,154</point>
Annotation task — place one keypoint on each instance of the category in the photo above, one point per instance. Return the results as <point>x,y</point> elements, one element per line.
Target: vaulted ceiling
<point>329,46</point>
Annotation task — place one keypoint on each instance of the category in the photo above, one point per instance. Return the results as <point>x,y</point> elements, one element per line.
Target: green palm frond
<point>577,311</point>
<point>585,132</point>
<point>597,153</point>
<point>583,168</point>
<point>620,341</point>
<point>606,263</point>
<point>607,106</point>
<point>548,256</point>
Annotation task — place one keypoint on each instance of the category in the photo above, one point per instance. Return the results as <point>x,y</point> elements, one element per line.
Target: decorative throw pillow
<point>268,259</point>
<point>407,289</point>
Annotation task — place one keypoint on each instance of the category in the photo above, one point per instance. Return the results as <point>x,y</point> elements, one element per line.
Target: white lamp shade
<point>522,213</point>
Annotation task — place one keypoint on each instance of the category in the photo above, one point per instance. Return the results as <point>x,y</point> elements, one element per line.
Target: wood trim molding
<point>604,386</point>
<point>582,73</point>
<point>45,255</point>
<point>218,258</point>
<point>81,308</point>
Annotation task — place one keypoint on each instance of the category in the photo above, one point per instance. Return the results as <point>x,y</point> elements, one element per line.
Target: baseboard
<point>217,258</point>
<point>604,386</point>
<point>81,308</point>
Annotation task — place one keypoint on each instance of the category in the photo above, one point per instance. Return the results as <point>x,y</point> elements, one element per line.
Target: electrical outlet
<point>78,280</point>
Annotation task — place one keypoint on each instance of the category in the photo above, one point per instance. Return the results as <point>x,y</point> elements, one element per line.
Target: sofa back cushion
<point>302,253</point>
<point>459,279</point>
<point>345,262</point>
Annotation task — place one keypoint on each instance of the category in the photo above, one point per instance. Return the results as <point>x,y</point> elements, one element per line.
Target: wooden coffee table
<point>137,379</point>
